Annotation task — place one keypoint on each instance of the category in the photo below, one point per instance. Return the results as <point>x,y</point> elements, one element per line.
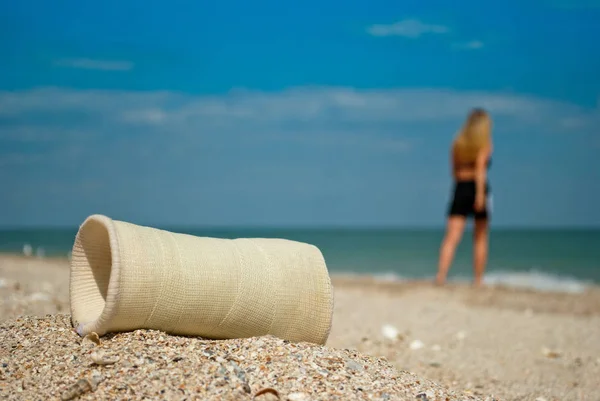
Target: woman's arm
<point>453,160</point>
<point>481,176</point>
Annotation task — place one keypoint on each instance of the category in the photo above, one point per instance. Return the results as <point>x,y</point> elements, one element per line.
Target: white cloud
<point>471,45</point>
<point>574,122</point>
<point>377,120</point>
<point>409,28</point>
<point>327,139</point>
<point>145,116</point>
<point>26,133</point>
<point>311,105</point>
<point>25,158</point>
<point>91,64</point>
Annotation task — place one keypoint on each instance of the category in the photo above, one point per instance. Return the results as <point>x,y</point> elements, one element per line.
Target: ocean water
<point>556,260</point>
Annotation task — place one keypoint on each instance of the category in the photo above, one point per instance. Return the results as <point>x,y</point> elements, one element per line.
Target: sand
<point>396,341</point>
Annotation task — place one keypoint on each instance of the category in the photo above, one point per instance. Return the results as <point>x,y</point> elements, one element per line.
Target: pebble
<point>298,397</point>
<point>353,366</point>
<point>390,332</point>
<point>425,396</point>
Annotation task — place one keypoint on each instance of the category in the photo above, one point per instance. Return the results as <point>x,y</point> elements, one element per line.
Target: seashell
<point>239,372</point>
<point>81,387</point>
<point>100,358</point>
<point>416,344</point>
<point>95,380</point>
<point>548,353</point>
<point>91,337</point>
<point>268,392</point>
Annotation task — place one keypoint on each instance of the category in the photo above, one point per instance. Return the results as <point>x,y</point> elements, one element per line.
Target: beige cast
<point>126,277</point>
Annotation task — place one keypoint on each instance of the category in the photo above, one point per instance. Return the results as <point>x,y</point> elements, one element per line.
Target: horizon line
<point>323,227</point>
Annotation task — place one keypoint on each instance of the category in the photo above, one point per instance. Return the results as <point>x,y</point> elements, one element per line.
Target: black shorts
<point>463,201</point>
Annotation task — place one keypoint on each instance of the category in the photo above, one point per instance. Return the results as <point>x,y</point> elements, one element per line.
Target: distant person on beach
<point>470,158</point>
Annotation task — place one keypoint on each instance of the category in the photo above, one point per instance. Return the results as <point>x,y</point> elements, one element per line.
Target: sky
<point>297,113</point>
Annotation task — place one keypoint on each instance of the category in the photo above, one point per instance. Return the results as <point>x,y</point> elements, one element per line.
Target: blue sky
<point>294,113</point>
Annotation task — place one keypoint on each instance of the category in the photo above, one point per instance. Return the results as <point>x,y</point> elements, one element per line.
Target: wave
<point>538,280</point>
<point>533,280</point>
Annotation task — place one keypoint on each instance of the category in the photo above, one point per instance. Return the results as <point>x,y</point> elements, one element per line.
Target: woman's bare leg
<point>480,250</point>
<point>454,232</point>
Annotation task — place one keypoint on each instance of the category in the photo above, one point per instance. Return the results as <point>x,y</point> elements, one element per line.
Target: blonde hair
<point>475,134</point>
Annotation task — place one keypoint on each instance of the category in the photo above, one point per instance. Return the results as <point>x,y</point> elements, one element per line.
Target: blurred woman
<point>470,159</point>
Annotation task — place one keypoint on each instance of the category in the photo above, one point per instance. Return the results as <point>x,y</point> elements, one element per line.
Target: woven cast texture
<point>126,277</point>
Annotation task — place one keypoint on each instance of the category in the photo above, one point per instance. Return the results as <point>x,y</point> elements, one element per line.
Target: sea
<point>541,259</point>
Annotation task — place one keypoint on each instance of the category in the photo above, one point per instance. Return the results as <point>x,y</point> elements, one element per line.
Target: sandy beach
<point>390,340</point>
